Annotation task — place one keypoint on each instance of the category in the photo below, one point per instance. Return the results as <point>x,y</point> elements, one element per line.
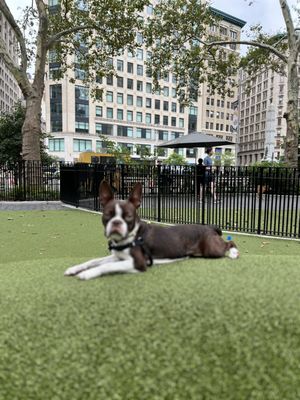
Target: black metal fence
<point>261,200</point>
<point>30,180</point>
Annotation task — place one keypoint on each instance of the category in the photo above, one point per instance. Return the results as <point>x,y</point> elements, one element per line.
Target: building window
<point>56,144</point>
<point>166,91</point>
<point>148,102</point>
<point>181,122</point>
<point>82,127</point>
<point>104,129</point>
<point>124,131</point>
<point>173,121</point>
<point>129,116</point>
<point>165,120</point>
<point>233,35</point>
<point>157,104</point>
<point>139,70</point>
<point>120,98</point>
<point>82,145</point>
<point>139,101</point>
<point>193,110</point>
<point>81,93</point>
<point>56,108</point>
<point>129,100</point>
<point>166,106</point>
<point>119,114</point>
<point>162,135</point>
<point>109,112</point>
<point>143,133</point>
<point>99,111</point>
<point>110,80</point>
<point>148,119</point>
<point>139,117</point>
<point>81,110</point>
<point>120,81</point>
<point>148,87</point>
<point>140,54</point>
<point>129,83</point>
<point>120,65</point>
<point>139,86</point>
<point>157,119</point>
<point>139,38</point>
<point>130,68</point>
<point>109,97</point>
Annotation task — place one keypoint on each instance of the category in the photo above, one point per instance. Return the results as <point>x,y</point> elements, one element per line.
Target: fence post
<point>260,183</point>
<point>24,173</point>
<point>122,181</point>
<point>159,187</point>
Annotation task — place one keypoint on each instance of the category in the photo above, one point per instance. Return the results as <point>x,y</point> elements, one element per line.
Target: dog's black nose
<point>116,222</point>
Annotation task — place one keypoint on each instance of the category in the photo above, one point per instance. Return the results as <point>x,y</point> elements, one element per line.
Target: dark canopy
<point>195,139</point>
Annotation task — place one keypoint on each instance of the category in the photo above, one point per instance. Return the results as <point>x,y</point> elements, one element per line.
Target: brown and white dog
<point>135,245</point>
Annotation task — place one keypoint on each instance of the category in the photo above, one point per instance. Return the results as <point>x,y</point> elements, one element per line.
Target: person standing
<point>200,169</point>
<point>209,179</point>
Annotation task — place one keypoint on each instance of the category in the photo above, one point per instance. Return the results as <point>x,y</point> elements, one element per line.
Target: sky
<point>265,12</point>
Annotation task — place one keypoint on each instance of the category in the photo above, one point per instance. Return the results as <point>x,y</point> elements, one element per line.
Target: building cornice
<point>229,18</point>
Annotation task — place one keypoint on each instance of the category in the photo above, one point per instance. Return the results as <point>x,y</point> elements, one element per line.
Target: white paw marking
<point>71,271</point>
<point>233,253</point>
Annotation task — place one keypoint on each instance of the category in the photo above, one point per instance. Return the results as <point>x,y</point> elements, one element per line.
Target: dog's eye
<point>129,217</point>
<point>107,215</point>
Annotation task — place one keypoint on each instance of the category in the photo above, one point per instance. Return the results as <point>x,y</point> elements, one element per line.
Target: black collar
<point>115,246</point>
<point>137,242</point>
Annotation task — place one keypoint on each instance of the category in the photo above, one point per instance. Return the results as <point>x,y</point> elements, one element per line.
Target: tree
<point>93,31</point>
<point>11,123</point>
<point>175,159</point>
<point>181,40</point>
<point>10,134</point>
<point>119,152</point>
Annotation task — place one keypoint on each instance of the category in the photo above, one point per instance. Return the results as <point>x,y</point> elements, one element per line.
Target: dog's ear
<point>105,193</point>
<point>136,195</point>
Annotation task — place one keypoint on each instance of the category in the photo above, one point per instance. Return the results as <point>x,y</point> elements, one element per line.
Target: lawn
<point>198,329</point>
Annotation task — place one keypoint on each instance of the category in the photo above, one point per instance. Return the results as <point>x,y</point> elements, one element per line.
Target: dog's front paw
<point>71,271</point>
<point>87,275</point>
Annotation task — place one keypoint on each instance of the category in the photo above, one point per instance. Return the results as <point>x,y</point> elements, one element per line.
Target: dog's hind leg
<point>159,261</point>
<point>96,262</point>
<point>216,247</point>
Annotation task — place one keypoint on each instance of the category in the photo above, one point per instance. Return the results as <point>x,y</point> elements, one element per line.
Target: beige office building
<point>9,89</point>
<point>130,113</point>
<point>262,104</point>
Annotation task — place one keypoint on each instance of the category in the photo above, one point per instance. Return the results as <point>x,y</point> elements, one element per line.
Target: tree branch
<point>18,73</point>
<point>56,38</point>
<point>41,48</point>
<point>291,34</point>
<point>249,43</point>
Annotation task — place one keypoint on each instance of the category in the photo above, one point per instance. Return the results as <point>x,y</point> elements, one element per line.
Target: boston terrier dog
<point>136,245</point>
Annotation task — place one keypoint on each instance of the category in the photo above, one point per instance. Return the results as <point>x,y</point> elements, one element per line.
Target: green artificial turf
<point>197,329</point>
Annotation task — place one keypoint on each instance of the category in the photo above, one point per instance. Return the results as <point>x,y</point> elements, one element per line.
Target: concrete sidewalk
<point>31,205</point>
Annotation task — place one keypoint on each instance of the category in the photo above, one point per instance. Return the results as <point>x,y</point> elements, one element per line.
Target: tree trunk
<point>31,130</point>
<point>291,115</point>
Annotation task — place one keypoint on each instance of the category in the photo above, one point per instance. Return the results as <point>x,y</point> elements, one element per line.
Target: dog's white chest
<point>122,254</point>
